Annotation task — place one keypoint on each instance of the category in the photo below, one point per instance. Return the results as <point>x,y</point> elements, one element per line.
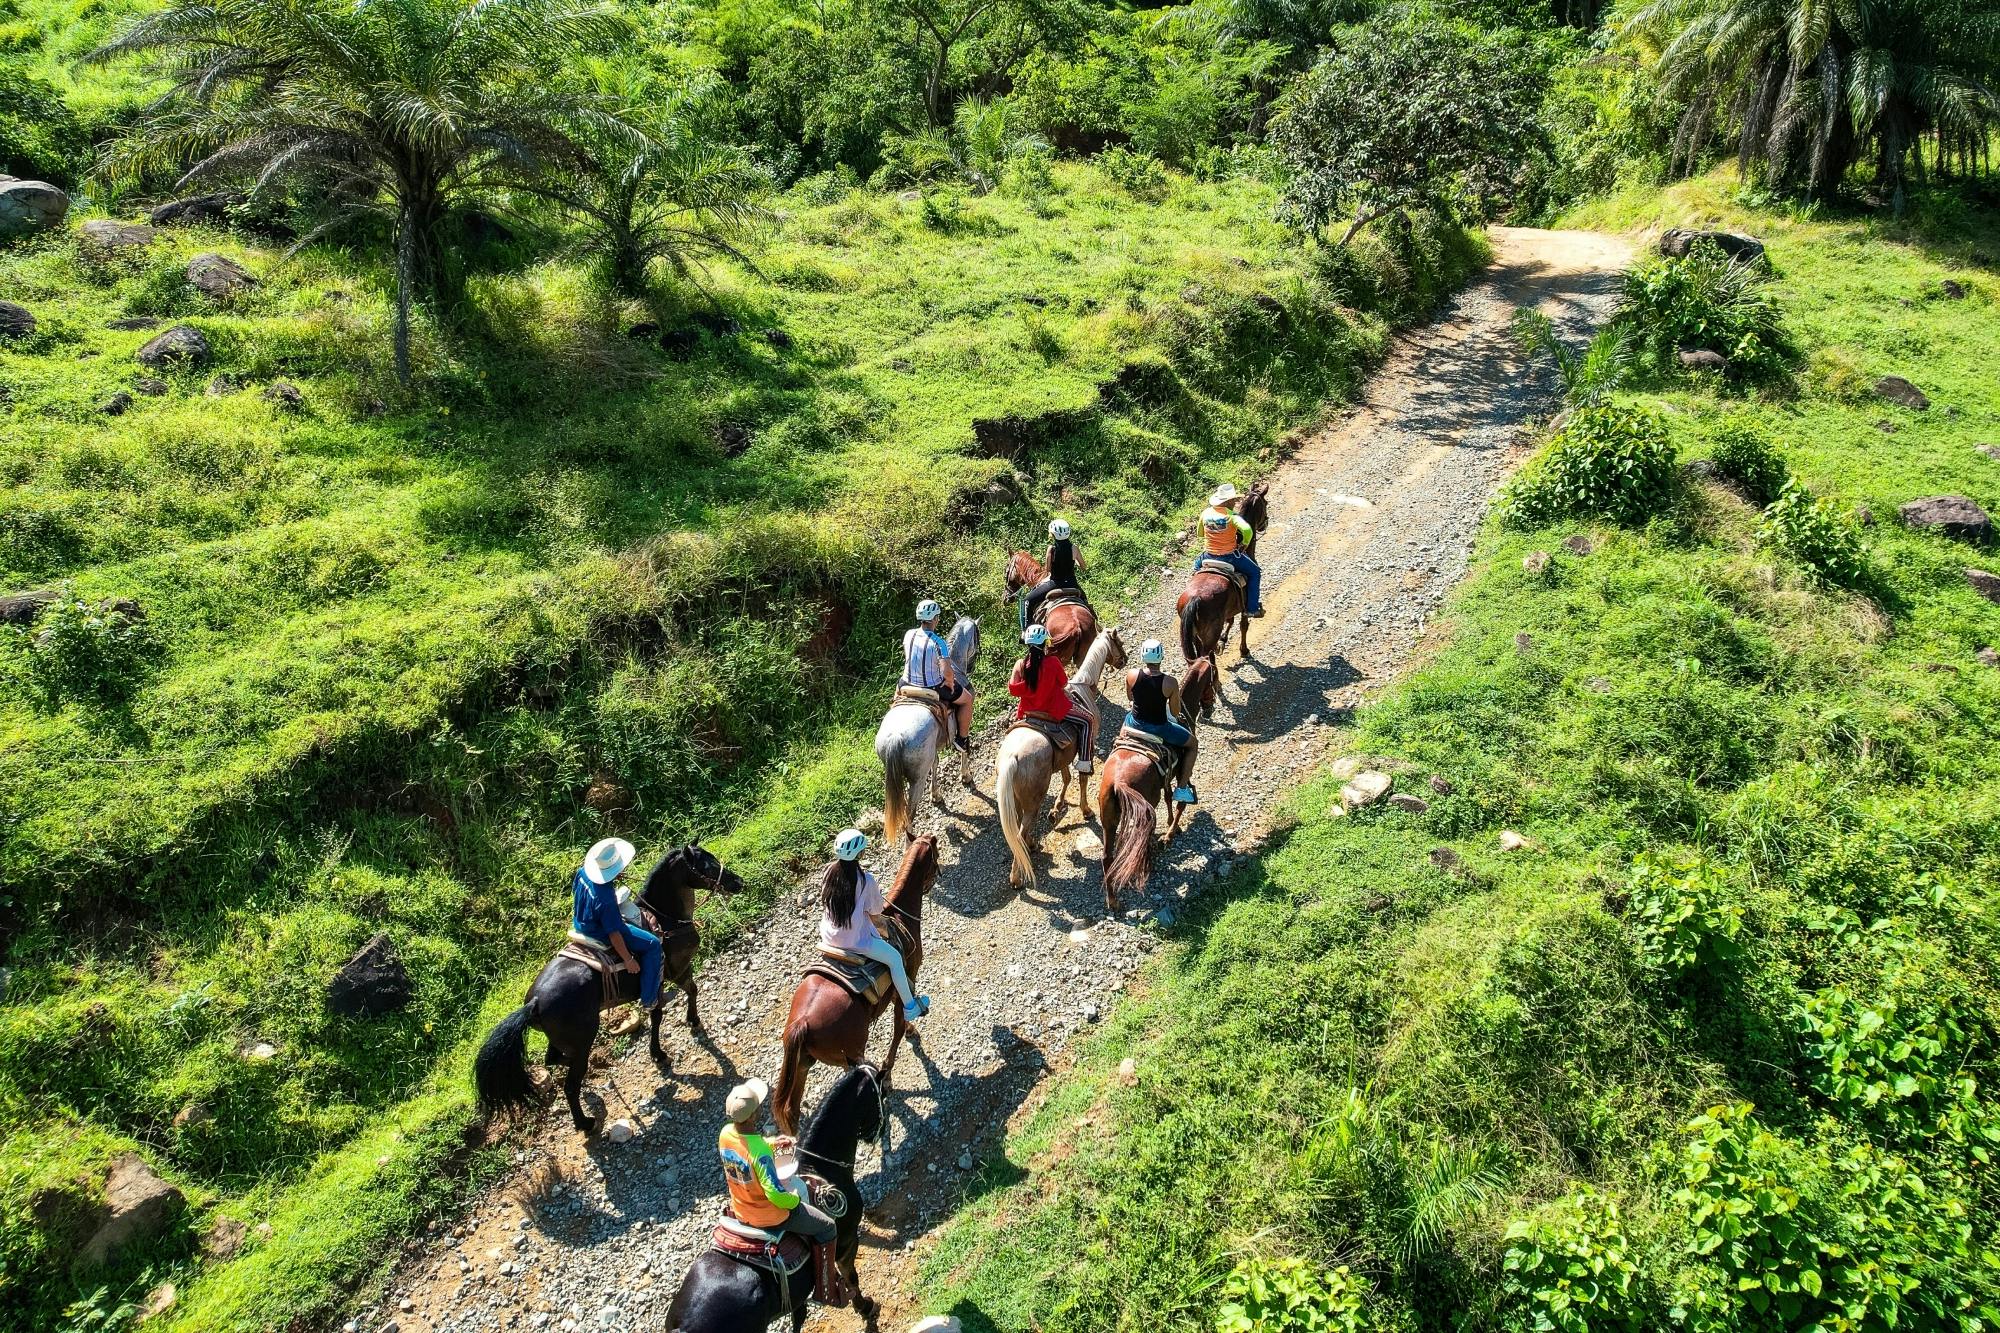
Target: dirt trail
<point>1370,525</point>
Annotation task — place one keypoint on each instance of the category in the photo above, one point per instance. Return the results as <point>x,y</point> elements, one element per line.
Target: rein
<point>882,1135</point>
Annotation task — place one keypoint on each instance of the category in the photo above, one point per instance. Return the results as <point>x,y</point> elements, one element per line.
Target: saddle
<point>1066,735</point>
<point>1165,758</point>
<point>617,985</point>
<point>865,979</point>
<point>916,694</point>
<point>1225,570</point>
<point>1060,597</point>
<point>782,1254</point>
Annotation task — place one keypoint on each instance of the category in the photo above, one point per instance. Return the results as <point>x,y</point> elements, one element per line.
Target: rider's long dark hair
<point>1031,669</point>
<point>837,889</point>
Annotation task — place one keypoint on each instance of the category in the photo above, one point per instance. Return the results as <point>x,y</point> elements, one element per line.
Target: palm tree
<point>1813,87</point>
<point>396,108</point>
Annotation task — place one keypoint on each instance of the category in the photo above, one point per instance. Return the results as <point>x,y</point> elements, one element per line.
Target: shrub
<point>1136,173</point>
<point>1809,530</point>
<point>1607,462</point>
<point>1570,1270</point>
<point>1745,456</point>
<point>1705,301</point>
<point>88,651</point>
<point>40,137</point>
<point>1678,910</point>
<point>1290,1296</point>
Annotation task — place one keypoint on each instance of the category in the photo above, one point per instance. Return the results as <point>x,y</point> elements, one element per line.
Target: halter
<point>881,1136</point>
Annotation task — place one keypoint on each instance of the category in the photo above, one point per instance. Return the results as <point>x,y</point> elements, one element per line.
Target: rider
<point>1042,687</point>
<point>1063,563</point>
<point>1156,701</point>
<point>756,1195</point>
<point>594,914</point>
<point>927,665</point>
<point>1227,537</point>
<point>852,897</point>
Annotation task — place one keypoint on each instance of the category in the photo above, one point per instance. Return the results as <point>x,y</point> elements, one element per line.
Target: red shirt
<point>1047,696</point>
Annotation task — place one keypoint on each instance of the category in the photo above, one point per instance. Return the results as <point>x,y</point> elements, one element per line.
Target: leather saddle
<point>1225,570</point>
<point>916,694</point>
<point>1165,758</point>
<point>860,976</point>
<point>1060,597</point>
<point>617,986</point>
<point>778,1253</point>
<point>1065,735</point>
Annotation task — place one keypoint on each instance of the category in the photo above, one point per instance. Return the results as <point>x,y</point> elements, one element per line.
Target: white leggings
<point>887,954</point>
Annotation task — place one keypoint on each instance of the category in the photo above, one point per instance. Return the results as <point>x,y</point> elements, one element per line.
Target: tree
<point>397,108</point>
<point>1815,87</point>
<point>1004,32</point>
<point>1404,115</point>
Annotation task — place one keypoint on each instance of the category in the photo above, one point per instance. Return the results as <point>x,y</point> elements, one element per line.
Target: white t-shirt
<point>860,928</point>
<point>923,659</point>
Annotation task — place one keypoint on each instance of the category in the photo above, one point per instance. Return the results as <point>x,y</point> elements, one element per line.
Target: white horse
<point>1027,762</point>
<point>907,742</point>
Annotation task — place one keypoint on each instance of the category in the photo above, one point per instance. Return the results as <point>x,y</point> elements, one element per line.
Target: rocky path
<point>1371,522</point>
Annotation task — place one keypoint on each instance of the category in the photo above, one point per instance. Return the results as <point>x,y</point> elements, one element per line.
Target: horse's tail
<point>896,780</point>
<point>1128,865</point>
<point>791,1090</point>
<point>1011,816</point>
<point>1190,610</point>
<point>500,1071</point>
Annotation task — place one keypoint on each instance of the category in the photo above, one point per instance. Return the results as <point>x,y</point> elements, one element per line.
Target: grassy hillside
<point>403,654</point>
<point>1717,1049</point>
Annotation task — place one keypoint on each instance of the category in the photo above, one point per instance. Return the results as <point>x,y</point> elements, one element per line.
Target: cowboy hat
<point>746,1100</point>
<point>607,860</point>
<point>1223,494</point>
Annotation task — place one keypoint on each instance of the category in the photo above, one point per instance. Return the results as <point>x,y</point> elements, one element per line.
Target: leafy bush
<point>1570,1270</point>
<point>1745,455</point>
<point>40,137</point>
<point>1607,462</point>
<point>1604,365</point>
<point>87,651</point>
<point>1809,530</point>
<point>1705,301</point>
<point>1291,1296</point>
<point>1137,173</point>
<point>1679,912</point>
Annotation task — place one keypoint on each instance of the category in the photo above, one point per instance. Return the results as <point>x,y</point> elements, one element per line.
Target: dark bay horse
<point>562,1003</point>
<point>1212,601</point>
<point>1132,786</point>
<point>828,1025</point>
<point>1072,626</point>
<point>722,1295</point>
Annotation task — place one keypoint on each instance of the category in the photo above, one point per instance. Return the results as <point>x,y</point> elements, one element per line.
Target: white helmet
<point>928,609</point>
<point>850,844</point>
<point>1223,494</point>
<point>1036,636</point>
<point>1059,529</point>
<point>1152,650</point>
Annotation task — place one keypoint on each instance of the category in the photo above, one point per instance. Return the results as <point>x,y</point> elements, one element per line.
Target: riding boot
<point>828,1288</point>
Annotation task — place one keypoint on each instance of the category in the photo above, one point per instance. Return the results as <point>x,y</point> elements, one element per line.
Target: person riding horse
<point>1063,563</point>
<point>1043,689</point>
<point>927,665</point>
<point>852,897</point>
<point>1227,537</point>
<point>758,1198</point>
<point>1156,703</point>
<point>596,916</point>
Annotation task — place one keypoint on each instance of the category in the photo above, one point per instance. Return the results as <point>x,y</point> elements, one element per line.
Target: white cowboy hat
<point>1223,494</point>
<point>607,860</point>
<point>746,1100</point>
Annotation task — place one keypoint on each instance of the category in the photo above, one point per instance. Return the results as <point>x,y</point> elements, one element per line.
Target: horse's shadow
<point>1297,689</point>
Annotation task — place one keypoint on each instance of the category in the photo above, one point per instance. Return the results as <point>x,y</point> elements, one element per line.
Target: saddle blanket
<point>863,978</point>
<point>1151,746</point>
<point>1222,567</point>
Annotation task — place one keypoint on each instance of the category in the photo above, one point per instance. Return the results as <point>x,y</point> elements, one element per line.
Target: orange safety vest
<point>1222,530</point>
<point>749,1167</point>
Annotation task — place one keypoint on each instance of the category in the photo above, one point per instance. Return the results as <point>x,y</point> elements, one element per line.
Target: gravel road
<point>1371,521</point>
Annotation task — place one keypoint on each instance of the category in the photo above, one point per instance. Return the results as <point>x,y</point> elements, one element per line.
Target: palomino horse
<point>1212,601</point>
<point>563,1002</point>
<point>907,742</point>
<point>1027,763</point>
<point>830,1025</point>
<point>1132,785</point>
<point>1072,625</point>
<point>725,1295</point>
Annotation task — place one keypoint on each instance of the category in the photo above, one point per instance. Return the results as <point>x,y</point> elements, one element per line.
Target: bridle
<point>702,891</point>
<point>881,1135</point>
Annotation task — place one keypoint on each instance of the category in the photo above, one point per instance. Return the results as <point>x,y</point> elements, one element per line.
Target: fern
<point>1445,1189</point>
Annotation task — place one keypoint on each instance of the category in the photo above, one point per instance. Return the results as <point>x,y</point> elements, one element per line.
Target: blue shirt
<point>594,908</point>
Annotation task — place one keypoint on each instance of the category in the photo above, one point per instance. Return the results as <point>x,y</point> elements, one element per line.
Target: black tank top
<point>1149,698</point>
<point>1062,563</point>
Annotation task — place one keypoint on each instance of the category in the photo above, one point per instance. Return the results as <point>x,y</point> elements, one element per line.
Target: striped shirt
<point>924,655</point>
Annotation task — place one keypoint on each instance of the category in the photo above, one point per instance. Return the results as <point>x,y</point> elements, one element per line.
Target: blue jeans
<point>1173,733</point>
<point>645,945</point>
<point>1247,568</point>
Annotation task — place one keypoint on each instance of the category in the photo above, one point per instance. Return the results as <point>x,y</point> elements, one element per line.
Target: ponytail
<point>1032,668</point>
<point>837,889</point>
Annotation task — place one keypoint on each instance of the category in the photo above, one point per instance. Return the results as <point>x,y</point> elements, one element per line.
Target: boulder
<point>22,608</point>
<point>158,1301</point>
<point>1677,242</point>
<point>1985,583</point>
<point>1524,642</point>
<point>285,396</point>
<point>1902,393</point>
<point>115,238</point>
<point>1700,358</point>
<point>218,276</point>
<point>1443,786</point>
<point>115,405</point>
<point>1365,789</point>
<point>149,386</point>
<point>1511,841</point>
<point>224,1239</point>
<point>197,209</point>
<point>139,1207</point>
<point>778,338</point>
<point>1952,515</point>
<point>223,385</point>
<point>16,321</point>
<point>28,207</point>
<point>1988,657</point>
<point>1415,805</point>
<point>370,983</point>
<point>1535,562</point>
<point>937,1323</point>
<point>1580,544</point>
<point>1953,289</point>
<point>181,347</point>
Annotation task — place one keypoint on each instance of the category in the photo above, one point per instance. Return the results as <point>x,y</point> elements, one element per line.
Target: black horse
<point>723,1295</point>
<point>563,1003</point>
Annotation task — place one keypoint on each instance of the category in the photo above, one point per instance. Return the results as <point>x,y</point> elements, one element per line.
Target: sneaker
<point>916,1008</point>
<point>1185,795</point>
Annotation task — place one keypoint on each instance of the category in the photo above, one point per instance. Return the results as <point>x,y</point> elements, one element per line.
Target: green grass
<point>1359,1057</point>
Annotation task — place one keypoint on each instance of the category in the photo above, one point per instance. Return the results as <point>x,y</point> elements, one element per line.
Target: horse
<point>907,741</point>
<point>563,1002</point>
<point>1132,785</point>
<point>1211,601</point>
<point>1027,762</point>
<point>1072,626</point>
<point>722,1295</point>
<point>828,1024</point>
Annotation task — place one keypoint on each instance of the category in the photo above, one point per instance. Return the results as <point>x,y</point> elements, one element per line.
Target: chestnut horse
<point>829,1025</point>
<point>1212,601</point>
<point>1027,763</point>
<point>1072,626</point>
<point>1132,786</point>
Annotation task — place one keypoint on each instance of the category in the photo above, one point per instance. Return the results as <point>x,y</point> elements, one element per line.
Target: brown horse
<point>1026,765</point>
<point>1212,601</point>
<point>1132,785</point>
<point>830,1026</point>
<point>1072,626</point>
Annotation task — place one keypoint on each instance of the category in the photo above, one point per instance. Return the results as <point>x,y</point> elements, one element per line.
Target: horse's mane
<point>921,858</point>
<point>848,1092</point>
<point>1196,682</point>
<point>963,642</point>
<point>1092,666</point>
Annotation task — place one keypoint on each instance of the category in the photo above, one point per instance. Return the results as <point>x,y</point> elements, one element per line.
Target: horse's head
<point>854,1110</point>
<point>1256,506</point>
<point>1019,570</point>
<point>1114,656</point>
<point>1198,686</point>
<point>917,873</point>
<point>671,886</point>
<point>963,644</point>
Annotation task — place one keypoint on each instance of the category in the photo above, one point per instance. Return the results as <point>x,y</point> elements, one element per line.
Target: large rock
<point>1902,393</point>
<point>371,983</point>
<point>181,347</point>
<point>218,276</point>
<point>1985,583</point>
<point>1677,242</point>
<point>115,238</point>
<point>22,608</point>
<point>16,321</point>
<point>1700,358</point>
<point>139,1206</point>
<point>1365,789</point>
<point>212,209</point>
<point>1953,515</point>
<point>27,207</point>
